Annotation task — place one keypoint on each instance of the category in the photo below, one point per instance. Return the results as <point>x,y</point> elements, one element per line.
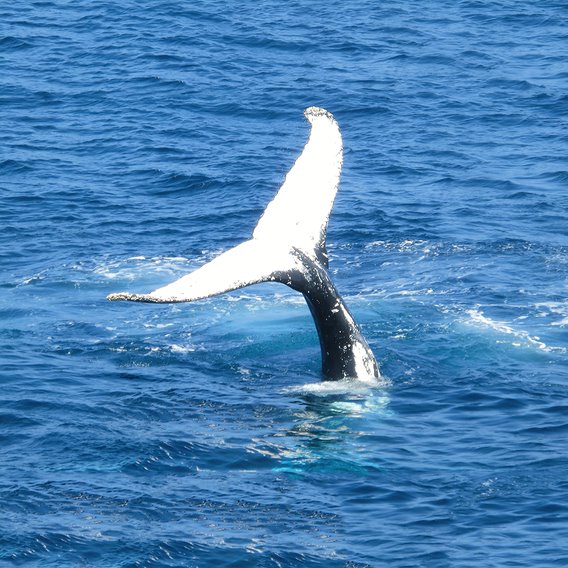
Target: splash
<point>344,386</point>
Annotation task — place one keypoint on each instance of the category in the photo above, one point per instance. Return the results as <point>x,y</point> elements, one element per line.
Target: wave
<point>171,183</point>
<point>11,43</point>
<point>518,338</point>
<point>11,166</point>
<point>555,309</point>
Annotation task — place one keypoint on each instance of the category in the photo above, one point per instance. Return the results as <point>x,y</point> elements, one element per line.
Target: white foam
<point>402,246</point>
<point>369,405</point>
<point>133,267</point>
<point>556,309</point>
<point>518,338</point>
<point>182,348</point>
<point>343,386</point>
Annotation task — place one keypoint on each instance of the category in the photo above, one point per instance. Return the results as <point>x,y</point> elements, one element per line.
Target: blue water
<point>138,140</point>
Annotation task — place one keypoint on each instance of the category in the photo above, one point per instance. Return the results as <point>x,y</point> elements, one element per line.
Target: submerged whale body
<point>288,246</point>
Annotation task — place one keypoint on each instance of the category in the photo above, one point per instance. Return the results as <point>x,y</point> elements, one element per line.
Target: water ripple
<point>139,141</point>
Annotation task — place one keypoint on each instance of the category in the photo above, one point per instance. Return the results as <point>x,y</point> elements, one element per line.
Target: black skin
<point>337,330</point>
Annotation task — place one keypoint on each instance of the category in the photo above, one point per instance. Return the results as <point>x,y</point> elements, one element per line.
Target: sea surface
<point>140,139</point>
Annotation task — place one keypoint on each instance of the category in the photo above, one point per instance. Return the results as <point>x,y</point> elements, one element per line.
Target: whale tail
<point>288,246</point>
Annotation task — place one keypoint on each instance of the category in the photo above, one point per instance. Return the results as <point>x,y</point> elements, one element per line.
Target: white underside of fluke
<point>299,213</point>
<point>249,263</point>
<point>296,218</point>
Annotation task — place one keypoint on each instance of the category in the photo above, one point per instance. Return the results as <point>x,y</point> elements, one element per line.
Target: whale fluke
<point>288,246</point>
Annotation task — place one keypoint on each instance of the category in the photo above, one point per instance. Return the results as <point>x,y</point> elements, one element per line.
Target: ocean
<point>138,140</point>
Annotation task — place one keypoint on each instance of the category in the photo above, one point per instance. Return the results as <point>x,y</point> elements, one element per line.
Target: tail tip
<point>314,112</point>
<point>117,296</point>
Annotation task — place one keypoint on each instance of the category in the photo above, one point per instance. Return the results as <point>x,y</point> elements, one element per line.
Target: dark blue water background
<point>138,140</point>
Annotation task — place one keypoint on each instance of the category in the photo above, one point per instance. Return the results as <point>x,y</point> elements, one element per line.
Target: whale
<point>288,246</point>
